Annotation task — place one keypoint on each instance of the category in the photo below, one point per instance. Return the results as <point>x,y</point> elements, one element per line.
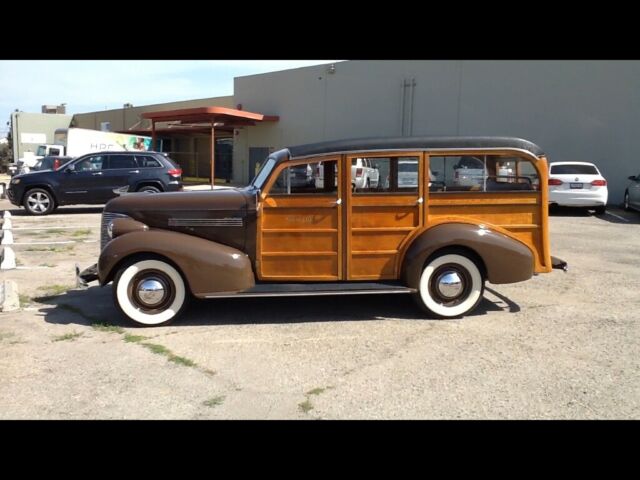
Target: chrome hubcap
<point>151,291</point>
<point>449,284</point>
<point>38,202</point>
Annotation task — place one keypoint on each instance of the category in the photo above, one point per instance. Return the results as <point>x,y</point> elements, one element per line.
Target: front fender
<point>208,267</point>
<point>505,259</point>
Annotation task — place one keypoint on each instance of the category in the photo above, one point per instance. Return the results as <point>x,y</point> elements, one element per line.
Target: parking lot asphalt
<point>559,346</point>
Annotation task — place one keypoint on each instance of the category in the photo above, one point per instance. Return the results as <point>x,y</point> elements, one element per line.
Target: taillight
<point>56,163</point>
<point>599,183</point>
<point>358,172</point>
<point>555,181</point>
<point>175,172</point>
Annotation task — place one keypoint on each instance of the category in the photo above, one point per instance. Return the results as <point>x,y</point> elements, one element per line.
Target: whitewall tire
<point>150,292</point>
<point>451,285</point>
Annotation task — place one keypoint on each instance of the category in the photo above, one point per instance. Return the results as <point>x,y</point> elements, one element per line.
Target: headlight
<point>15,181</point>
<point>110,229</point>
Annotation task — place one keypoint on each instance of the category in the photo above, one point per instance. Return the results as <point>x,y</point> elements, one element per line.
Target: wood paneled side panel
<point>299,242</point>
<point>376,240</point>
<point>372,217</point>
<point>370,266</point>
<point>303,267</point>
<point>496,214</point>
<point>302,218</point>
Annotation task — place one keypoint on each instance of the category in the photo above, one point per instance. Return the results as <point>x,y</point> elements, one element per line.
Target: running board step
<point>311,289</point>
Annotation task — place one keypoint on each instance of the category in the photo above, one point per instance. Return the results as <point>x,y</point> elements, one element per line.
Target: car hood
<point>223,199</point>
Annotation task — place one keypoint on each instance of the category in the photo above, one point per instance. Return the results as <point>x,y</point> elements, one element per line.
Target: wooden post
<point>153,135</point>
<point>213,154</point>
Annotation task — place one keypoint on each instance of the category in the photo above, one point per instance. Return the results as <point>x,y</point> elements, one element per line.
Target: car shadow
<point>94,305</point>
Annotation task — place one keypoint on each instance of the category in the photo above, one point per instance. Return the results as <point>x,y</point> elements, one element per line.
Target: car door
<point>381,219</point>
<point>120,169</point>
<point>83,180</point>
<point>300,226</point>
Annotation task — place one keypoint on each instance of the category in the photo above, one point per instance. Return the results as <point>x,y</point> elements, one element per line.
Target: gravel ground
<point>560,346</point>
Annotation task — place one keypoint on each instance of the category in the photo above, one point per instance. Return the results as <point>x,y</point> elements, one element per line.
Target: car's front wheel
<point>451,285</point>
<point>38,201</point>
<point>150,292</point>
<point>149,189</point>
<point>626,201</point>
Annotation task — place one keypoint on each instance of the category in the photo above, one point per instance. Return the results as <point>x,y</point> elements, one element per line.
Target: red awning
<point>228,117</point>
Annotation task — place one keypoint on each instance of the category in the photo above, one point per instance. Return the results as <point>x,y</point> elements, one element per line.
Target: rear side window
<point>148,162</point>
<point>121,161</point>
<point>574,170</point>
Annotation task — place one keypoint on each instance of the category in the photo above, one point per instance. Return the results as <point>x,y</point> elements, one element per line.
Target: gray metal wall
<point>575,110</point>
<point>42,123</point>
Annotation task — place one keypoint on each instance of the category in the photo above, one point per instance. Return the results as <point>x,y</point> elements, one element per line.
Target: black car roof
<point>418,143</point>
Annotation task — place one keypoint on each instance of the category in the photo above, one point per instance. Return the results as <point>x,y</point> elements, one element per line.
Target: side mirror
<point>633,177</point>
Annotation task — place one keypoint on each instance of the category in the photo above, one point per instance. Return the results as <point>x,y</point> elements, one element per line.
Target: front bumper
<point>88,275</point>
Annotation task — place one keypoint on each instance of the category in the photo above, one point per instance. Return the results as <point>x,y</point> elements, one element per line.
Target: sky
<point>91,85</point>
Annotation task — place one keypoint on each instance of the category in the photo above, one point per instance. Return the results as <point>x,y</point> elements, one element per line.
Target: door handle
<point>97,173</point>
<point>420,201</point>
<point>134,171</point>
<point>338,202</point>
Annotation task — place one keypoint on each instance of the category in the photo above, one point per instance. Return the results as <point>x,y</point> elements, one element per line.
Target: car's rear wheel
<point>150,292</point>
<point>451,285</point>
<point>38,201</point>
<point>149,189</point>
<point>626,201</point>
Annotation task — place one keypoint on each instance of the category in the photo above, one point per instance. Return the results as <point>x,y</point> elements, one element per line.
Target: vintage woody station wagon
<point>307,226</point>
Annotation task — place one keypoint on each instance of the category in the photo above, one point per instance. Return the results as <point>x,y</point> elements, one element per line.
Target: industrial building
<point>575,110</point>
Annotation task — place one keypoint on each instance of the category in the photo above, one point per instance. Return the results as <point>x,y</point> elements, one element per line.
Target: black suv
<point>94,179</point>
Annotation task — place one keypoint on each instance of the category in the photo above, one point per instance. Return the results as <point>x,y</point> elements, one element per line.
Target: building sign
<point>39,138</point>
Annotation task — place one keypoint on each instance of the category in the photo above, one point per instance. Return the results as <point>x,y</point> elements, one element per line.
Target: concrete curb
<point>7,258</point>
<point>9,299</point>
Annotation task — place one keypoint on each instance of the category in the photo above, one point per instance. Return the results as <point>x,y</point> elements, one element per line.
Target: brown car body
<point>259,240</point>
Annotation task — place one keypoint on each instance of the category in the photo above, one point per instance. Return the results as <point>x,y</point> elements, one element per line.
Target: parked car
<point>407,174</point>
<point>364,174</point>
<point>94,179</point>
<point>468,171</point>
<point>632,194</point>
<point>261,240</point>
<point>51,162</point>
<point>577,184</point>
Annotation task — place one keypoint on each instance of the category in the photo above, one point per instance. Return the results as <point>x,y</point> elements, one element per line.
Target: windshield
<point>263,174</point>
<point>575,169</point>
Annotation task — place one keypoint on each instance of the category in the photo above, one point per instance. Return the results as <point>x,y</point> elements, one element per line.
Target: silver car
<point>632,194</point>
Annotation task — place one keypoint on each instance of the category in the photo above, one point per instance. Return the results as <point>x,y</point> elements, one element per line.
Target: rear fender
<point>505,259</point>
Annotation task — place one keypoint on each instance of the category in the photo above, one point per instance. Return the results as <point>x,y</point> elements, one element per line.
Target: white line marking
<point>617,216</point>
<point>50,228</point>
<point>56,243</point>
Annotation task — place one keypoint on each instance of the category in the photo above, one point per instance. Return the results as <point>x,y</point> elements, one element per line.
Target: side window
<point>307,178</point>
<point>121,161</point>
<point>384,175</point>
<point>147,162</point>
<point>90,164</point>
<point>54,151</point>
<point>481,173</point>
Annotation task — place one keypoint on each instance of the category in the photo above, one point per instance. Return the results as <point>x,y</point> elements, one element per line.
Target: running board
<point>317,289</point>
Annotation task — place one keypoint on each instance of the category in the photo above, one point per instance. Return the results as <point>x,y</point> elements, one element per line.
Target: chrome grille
<point>106,218</point>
